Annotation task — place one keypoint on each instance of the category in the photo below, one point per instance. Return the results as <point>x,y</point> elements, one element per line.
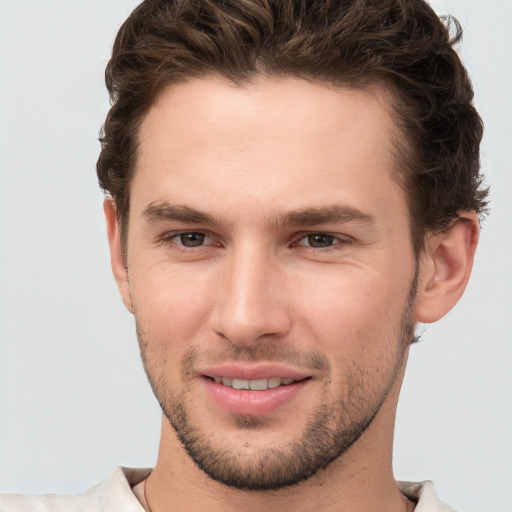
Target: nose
<point>252,300</point>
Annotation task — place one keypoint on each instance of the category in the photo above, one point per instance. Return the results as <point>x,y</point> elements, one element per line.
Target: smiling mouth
<point>256,384</point>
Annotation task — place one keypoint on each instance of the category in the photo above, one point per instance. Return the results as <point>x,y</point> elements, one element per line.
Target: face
<point>270,271</point>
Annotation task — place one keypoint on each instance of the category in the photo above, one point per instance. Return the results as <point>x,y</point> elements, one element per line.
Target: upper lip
<point>253,371</point>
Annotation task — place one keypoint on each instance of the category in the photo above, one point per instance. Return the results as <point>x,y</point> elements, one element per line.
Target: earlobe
<point>117,257</point>
<point>445,268</point>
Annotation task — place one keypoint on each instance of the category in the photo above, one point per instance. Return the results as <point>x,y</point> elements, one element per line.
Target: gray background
<point>74,401</point>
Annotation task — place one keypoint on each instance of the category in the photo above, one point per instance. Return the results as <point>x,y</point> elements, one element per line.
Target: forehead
<point>280,142</point>
<point>295,109</point>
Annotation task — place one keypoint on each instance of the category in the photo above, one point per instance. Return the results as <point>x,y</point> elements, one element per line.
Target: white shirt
<point>115,495</point>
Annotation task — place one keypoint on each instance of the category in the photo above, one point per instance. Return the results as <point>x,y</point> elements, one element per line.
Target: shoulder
<point>424,494</point>
<point>46,503</point>
<point>112,495</point>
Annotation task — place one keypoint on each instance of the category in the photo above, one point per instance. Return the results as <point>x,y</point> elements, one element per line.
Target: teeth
<point>253,385</point>
<point>227,381</point>
<point>239,384</point>
<point>274,382</point>
<point>258,385</point>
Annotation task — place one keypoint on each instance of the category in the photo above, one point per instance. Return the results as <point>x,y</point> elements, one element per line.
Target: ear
<point>445,268</point>
<point>117,258</point>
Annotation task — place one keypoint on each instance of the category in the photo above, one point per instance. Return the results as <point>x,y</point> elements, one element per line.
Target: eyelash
<point>170,239</point>
<point>337,241</point>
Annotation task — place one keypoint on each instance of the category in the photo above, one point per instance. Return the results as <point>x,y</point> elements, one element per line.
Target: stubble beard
<point>330,432</point>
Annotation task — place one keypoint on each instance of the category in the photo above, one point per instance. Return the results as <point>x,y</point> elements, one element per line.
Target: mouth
<point>254,392</point>
<point>255,384</point>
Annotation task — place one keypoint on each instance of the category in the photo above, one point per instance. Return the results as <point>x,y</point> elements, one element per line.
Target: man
<point>292,187</point>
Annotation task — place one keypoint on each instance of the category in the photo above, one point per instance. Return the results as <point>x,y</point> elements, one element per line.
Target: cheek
<point>352,310</point>
<point>357,324</point>
<point>170,304</point>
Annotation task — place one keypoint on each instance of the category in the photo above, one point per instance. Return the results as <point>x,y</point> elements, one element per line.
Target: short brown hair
<point>401,44</point>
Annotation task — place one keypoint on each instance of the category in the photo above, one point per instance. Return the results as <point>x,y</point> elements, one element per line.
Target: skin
<point>254,288</point>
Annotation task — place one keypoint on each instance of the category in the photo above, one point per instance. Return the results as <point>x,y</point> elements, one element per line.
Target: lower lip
<point>253,403</point>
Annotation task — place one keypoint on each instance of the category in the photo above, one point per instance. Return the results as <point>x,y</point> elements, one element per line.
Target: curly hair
<point>401,44</point>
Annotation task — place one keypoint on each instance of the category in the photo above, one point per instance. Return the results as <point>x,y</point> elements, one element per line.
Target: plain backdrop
<point>74,401</point>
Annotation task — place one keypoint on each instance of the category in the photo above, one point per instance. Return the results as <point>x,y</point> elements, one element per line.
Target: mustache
<point>261,352</point>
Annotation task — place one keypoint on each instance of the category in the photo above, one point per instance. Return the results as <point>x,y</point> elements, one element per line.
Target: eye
<point>190,245</point>
<point>319,240</point>
<point>190,239</point>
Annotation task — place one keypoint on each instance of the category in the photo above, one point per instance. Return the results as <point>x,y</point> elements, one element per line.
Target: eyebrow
<point>332,214</point>
<point>162,210</point>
